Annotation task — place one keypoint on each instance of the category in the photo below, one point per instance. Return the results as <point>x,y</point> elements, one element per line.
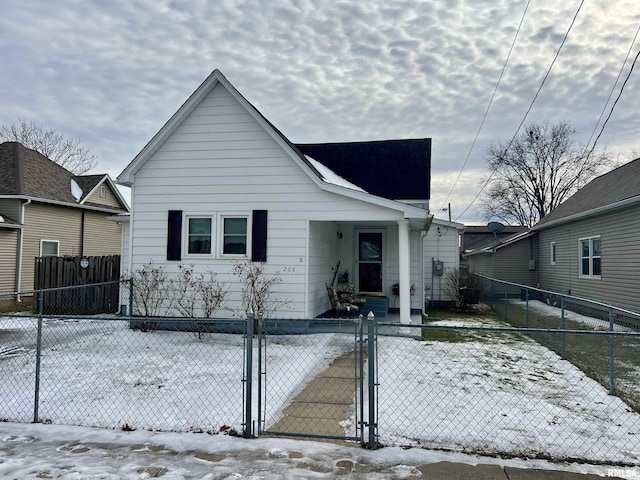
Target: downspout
<point>82,234</point>
<point>423,235</point>
<point>20,246</point>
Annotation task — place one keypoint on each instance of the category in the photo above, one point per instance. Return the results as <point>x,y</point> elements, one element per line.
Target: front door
<point>370,258</point>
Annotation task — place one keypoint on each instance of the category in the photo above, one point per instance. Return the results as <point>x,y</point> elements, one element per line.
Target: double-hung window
<point>199,235</point>
<point>552,253</point>
<point>234,235</point>
<point>590,257</point>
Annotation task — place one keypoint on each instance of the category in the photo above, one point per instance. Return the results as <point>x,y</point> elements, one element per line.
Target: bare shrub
<point>149,290</point>
<point>463,288</point>
<point>258,296</point>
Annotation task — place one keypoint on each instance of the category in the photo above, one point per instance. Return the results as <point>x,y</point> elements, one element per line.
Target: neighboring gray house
<point>476,237</point>
<point>590,245</point>
<point>587,247</point>
<point>512,259</point>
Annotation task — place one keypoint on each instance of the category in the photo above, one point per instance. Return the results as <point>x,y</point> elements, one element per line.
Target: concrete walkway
<point>328,400</point>
<point>324,404</point>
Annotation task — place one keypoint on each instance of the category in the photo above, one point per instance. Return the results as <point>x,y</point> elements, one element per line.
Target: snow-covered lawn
<point>479,391</point>
<point>101,373</point>
<point>499,393</point>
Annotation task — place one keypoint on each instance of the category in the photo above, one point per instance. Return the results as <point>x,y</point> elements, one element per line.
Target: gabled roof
<point>28,174</point>
<point>395,169</point>
<point>216,78</point>
<point>619,187</point>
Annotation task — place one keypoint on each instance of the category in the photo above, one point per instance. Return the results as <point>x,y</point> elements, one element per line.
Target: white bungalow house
<point>219,183</point>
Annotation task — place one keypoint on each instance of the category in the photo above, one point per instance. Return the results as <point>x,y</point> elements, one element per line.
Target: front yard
<point>472,390</point>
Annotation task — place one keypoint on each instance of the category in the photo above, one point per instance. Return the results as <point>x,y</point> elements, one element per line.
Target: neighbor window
<point>553,253</point>
<point>234,235</point>
<point>199,235</point>
<point>49,248</point>
<point>590,257</point>
<point>103,191</point>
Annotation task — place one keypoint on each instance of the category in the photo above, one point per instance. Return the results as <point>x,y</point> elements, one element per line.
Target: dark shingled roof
<point>619,184</point>
<point>25,172</point>
<point>394,169</point>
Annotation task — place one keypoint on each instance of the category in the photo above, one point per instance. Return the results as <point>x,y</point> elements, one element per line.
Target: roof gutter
<point>596,211</point>
<point>113,211</point>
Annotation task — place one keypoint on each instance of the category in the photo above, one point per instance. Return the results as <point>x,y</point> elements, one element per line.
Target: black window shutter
<point>259,236</point>
<point>174,235</point>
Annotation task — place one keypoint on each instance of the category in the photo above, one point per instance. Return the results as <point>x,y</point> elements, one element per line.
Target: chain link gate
<point>319,395</point>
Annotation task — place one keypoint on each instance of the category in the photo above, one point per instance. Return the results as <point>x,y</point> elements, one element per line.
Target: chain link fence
<point>527,379</point>
<point>121,372</point>
<point>611,360</point>
<point>310,383</point>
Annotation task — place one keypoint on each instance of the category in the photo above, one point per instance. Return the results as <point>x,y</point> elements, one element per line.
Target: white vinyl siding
<point>440,243</point>
<point>220,159</point>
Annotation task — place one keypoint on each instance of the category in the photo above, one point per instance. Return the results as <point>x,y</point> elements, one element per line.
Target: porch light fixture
<point>339,235</point>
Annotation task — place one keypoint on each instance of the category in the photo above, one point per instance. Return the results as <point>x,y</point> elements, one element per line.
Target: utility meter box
<point>438,268</point>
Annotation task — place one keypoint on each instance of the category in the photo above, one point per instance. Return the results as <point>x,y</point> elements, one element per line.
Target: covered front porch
<point>382,261</point>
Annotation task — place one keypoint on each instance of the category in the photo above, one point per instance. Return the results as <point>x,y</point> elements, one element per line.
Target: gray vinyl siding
<point>511,264</point>
<point>481,263</point>
<point>8,259</point>
<point>619,232</point>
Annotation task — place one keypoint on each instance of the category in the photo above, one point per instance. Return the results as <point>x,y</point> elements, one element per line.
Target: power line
<point>484,117</point>
<point>595,127</point>
<point>566,35</point>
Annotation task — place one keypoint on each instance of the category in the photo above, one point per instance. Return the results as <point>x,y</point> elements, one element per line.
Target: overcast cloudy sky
<point>112,72</point>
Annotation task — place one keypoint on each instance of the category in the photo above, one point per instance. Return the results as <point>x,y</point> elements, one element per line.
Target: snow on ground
<point>33,451</point>
<point>492,393</point>
<point>499,394</point>
<point>101,373</point>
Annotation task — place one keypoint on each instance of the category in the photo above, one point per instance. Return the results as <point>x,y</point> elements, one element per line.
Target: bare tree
<point>64,151</point>
<point>542,168</point>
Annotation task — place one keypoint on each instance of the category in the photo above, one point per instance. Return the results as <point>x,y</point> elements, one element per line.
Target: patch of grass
<point>445,335</point>
<point>448,313</point>
<point>590,353</point>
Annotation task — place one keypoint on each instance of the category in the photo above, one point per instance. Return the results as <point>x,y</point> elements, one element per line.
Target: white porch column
<point>404,271</point>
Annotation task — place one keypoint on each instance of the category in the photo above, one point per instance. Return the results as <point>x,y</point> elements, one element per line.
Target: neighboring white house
<point>219,183</point>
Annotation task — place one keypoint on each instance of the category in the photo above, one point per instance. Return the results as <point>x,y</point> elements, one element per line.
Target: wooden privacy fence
<point>96,282</point>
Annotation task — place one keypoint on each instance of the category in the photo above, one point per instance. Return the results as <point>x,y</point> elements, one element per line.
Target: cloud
<point>111,73</point>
